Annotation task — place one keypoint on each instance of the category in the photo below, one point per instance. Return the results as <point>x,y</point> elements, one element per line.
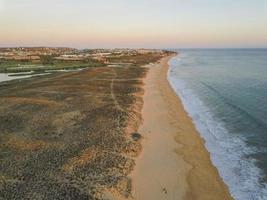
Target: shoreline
<point>174,162</point>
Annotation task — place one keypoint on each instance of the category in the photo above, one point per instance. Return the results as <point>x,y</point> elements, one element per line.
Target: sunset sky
<point>134,23</point>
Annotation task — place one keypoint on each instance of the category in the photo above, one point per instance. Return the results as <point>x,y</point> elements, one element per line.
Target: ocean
<point>224,91</point>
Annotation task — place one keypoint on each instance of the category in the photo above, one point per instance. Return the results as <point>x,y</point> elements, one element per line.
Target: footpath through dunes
<point>70,135</point>
<point>174,163</point>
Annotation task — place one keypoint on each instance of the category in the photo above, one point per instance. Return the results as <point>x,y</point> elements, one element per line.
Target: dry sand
<point>174,163</point>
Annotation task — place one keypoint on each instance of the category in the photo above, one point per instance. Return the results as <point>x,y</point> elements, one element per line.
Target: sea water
<point>224,91</point>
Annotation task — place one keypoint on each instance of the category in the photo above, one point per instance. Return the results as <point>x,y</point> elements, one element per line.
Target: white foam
<point>228,151</point>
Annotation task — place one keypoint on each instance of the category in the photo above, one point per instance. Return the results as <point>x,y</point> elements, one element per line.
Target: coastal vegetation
<point>46,63</point>
<point>42,59</point>
<point>72,135</point>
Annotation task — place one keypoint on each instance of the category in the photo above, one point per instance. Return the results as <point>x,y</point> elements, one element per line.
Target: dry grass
<point>22,144</point>
<point>68,135</point>
<point>81,160</point>
<point>21,100</point>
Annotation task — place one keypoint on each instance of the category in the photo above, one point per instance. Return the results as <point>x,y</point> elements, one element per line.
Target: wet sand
<point>174,163</point>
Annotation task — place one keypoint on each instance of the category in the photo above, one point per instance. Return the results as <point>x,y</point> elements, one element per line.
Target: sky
<point>134,23</point>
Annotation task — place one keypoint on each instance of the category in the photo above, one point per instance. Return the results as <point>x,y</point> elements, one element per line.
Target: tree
<point>47,60</point>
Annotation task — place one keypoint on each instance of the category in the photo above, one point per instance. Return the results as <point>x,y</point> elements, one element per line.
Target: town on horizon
<point>44,59</point>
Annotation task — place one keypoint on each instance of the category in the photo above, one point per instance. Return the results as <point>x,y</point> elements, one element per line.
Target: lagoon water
<point>225,93</point>
<point>12,76</point>
<point>7,77</point>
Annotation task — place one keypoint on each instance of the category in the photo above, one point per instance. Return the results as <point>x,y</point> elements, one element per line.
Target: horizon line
<point>163,48</point>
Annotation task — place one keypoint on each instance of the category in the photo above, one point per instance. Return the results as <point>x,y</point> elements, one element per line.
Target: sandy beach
<point>174,163</point>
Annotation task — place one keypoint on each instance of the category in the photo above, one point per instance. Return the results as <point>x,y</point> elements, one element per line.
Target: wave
<point>229,152</point>
<point>256,121</point>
